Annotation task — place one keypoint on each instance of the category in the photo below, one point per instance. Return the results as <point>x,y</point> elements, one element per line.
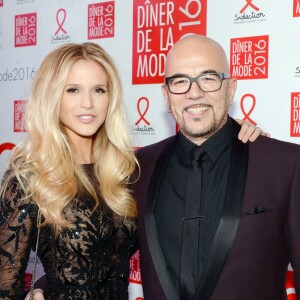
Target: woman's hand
<point>249,132</point>
<point>37,295</point>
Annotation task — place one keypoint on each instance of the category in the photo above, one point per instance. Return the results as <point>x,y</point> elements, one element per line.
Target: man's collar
<point>214,146</point>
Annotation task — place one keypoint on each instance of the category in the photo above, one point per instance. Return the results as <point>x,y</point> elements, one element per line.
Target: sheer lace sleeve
<point>17,230</point>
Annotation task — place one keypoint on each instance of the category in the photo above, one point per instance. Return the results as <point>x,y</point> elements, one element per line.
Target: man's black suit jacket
<point>259,231</point>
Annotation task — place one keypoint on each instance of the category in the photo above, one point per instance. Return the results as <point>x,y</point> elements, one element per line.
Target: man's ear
<point>164,90</point>
<point>232,85</point>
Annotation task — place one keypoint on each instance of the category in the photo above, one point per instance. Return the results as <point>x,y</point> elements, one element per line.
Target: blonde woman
<point>74,167</point>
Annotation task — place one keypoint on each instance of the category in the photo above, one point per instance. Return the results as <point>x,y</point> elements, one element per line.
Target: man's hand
<point>249,132</point>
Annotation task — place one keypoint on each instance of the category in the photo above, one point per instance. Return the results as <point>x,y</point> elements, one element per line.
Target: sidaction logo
<point>250,12</point>
<point>60,34</point>
<point>142,125</point>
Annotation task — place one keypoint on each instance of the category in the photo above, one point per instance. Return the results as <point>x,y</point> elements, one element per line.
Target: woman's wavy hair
<point>44,162</point>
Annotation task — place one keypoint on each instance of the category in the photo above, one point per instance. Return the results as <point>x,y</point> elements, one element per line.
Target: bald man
<point>227,228</point>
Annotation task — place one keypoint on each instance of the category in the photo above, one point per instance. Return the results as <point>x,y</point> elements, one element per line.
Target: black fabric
<point>160,263</point>
<point>169,206</point>
<point>229,221</point>
<point>88,261</point>
<point>191,227</point>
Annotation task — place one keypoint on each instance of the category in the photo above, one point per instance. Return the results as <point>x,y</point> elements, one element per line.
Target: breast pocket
<point>265,218</point>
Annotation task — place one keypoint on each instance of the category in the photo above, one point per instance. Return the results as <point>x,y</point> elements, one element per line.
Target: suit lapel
<point>152,238</point>
<point>229,221</point>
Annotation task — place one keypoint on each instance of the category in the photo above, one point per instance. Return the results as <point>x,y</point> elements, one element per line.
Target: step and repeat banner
<point>260,37</point>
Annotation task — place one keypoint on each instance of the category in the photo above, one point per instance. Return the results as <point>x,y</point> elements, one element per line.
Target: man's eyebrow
<point>179,75</point>
<point>186,75</point>
<point>209,71</point>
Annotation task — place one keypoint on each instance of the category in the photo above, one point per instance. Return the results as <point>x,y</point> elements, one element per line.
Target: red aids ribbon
<point>247,115</point>
<point>6,146</point>
<point>249,3</point>
<point>142,115</point>
<point>60,24</point>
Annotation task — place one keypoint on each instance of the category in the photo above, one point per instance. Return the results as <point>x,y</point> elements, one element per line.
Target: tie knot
<point>197,153</point>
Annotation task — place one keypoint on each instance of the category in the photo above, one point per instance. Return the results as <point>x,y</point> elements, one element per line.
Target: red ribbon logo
<point>142,115</point>
<point>60,24</point>
<point>249,3</point>
<point>247,115</point>
<point>6,146</point>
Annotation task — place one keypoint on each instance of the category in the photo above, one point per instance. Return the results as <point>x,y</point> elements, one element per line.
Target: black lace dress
<point>90,261</point>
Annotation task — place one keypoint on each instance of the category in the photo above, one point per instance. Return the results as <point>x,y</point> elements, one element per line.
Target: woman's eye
<point>100,90</point>
<point>72,90</point>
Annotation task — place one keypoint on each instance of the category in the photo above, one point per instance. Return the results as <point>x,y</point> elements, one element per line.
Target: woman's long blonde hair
<point>44,162</point>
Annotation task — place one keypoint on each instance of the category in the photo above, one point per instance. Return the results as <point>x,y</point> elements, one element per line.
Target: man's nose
<point>195,90</point>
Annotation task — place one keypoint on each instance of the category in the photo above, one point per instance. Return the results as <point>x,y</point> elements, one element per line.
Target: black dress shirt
<point>169,208</point>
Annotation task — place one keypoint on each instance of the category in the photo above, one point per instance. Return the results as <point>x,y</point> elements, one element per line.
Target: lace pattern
<point>89,261</point>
